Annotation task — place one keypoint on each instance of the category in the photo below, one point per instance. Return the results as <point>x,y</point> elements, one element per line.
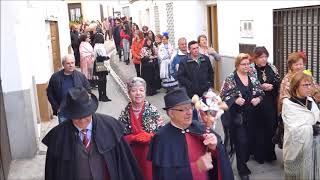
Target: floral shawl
<point>151,120</point>
<point>229,91</point>
<point>253,71</point>
<point>284,91</point>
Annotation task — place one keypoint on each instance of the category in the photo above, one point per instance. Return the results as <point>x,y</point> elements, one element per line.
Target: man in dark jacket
<point>116,37</point>
<point>195,72</point>
<point>88,146</point>
<point>61,81</point>
<point>183,149</point>
<point>75,43</point>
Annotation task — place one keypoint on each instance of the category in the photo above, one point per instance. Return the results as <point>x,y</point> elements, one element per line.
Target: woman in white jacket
<point>301,147</point>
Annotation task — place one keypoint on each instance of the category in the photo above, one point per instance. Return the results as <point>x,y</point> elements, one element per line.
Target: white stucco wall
<point>24,44</point>
<point>189,19</point>
<point>261,12</point>
<point>91,10</point>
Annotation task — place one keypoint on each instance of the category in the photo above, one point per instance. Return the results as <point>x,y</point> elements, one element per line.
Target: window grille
<point>297,29</point>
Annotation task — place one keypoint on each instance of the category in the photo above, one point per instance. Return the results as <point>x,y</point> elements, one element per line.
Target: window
<point>297,29</point>
<point>74,12</point>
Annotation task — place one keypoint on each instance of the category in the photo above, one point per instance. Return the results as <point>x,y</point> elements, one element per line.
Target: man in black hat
<point>182,149</point>
<point>88,146</point>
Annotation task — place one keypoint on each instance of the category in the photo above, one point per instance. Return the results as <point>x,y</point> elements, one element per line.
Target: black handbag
<point>99,64</point>
<point>100,67</point>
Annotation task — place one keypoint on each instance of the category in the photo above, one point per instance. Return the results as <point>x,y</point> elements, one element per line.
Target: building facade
<point>231,26</point>
<point>34,36</point>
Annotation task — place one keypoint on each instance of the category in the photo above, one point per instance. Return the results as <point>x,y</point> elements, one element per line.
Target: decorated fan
<point>210,105</point>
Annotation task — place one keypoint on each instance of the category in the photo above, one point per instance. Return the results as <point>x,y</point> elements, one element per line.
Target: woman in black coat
<point>265,124</point>
<point>242,93</point>
<point>148,65</point>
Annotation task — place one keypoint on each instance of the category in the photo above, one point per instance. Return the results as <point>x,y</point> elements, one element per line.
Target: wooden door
<point>213,41</point>
<point>56,57</point>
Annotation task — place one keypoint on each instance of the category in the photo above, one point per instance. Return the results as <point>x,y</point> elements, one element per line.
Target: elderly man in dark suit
<point>88,146</point>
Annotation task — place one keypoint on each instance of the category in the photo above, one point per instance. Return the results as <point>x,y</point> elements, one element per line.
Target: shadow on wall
<point>227,66</point>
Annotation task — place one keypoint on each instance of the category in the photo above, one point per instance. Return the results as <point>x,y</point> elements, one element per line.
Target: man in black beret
<point>183,150</point>
<point>88,145</point>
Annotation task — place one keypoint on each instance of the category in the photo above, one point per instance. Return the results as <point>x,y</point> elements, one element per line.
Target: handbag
<point>100,67</point>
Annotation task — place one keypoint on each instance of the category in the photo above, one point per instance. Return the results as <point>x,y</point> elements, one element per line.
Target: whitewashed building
<point>90,10</point>
<point>34,36</point>
<point>234,26</point>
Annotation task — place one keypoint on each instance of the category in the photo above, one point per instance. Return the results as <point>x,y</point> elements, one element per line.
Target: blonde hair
<point>296,80</point>
<point>241,57</point>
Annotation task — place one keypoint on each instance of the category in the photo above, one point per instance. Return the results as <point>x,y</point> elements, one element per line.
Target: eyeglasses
<point>307,85</point>
<point>244,64</point>
<point>183,110</point>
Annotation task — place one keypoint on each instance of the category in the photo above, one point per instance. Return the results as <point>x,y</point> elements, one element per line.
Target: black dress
<point>240,128</point>
<point>148,70</point>
<point>265,123</point>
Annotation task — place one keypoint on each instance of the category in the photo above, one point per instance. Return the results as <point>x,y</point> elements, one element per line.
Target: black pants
<point>102,85</point>
<point>239,136</point>
<point>137,66</point>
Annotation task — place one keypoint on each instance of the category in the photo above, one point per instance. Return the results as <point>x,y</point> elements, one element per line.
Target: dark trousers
<point>239,136</point>
<point>137,66</point>
<point>102,86</point>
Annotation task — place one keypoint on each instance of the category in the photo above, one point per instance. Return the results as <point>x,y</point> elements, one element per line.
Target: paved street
<point>33,169</point>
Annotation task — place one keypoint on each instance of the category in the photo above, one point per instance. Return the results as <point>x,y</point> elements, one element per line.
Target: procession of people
<point>260,111</point>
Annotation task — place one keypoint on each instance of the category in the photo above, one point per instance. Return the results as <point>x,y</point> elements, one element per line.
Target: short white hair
<point>64,58</point>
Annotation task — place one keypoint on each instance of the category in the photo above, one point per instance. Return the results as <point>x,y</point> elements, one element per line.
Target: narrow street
<point>34,168</point>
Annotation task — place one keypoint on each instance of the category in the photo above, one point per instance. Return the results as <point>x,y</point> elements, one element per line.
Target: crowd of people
<point>262,111</point>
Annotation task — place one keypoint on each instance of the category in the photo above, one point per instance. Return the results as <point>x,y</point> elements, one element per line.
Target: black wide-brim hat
<point>176,97</point>
<point>78,103</point>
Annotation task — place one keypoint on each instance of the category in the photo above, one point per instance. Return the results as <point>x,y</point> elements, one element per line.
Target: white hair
<point>64,58</point>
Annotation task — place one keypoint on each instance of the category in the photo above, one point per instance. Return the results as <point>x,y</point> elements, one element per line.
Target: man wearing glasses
<point>182,149</point>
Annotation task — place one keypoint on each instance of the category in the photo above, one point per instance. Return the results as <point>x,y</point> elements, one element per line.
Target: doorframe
<point>213,41</point>
<point>55,60</point>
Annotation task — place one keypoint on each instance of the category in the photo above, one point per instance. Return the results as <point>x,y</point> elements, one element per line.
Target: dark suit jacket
<point>54,91</point>
<point>108,135</point>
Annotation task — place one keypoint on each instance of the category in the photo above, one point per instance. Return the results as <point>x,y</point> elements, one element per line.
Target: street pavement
<point>33,169</point>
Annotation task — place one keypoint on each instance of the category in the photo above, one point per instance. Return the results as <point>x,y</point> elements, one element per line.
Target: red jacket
<point>123,35</point>
<point>135,50</point>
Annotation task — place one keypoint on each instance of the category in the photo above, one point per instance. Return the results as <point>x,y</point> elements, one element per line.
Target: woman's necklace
<point>264,76</point>
<point>302,104</point>
<point>136,109</point>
